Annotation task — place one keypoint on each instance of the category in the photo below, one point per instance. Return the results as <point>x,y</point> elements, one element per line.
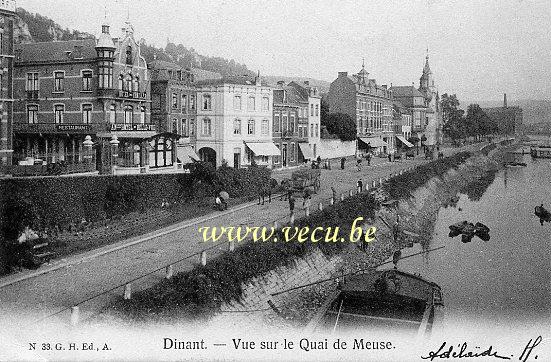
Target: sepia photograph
<point>275,180</point>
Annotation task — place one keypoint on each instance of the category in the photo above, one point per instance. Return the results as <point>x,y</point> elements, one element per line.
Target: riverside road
<point>29,296</point>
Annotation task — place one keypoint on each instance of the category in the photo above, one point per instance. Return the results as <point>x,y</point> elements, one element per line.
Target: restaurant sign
<point>73,127</point>
<point>133,127</point>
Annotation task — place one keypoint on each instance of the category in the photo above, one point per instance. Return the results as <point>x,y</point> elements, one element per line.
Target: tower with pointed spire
<point>433,122</point>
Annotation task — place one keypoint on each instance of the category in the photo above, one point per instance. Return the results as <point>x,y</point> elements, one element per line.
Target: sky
<point>477,49</point>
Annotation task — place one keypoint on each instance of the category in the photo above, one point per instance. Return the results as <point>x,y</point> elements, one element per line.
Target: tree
<point>340,124</point>
<point>324,110</point>
<point>477,122</point>
<point>450,105</point>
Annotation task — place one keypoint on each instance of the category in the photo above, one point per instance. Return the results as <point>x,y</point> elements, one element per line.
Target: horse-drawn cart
<point>304,179</point>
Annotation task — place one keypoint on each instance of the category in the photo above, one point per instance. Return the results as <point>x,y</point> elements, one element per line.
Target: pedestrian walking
<point>291,206</point>
<point>343,161</point>
<point>389,157</point>
<point>307,200</point>
<point>360,185</point>
<point>359,164</point>
<point>369,158</point>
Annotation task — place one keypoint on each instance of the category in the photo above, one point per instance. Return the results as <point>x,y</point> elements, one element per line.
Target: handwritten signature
<point>450,352</point>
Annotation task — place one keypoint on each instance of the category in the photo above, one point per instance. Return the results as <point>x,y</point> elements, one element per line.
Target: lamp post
<point>87,144</point>
<point>114,145</point>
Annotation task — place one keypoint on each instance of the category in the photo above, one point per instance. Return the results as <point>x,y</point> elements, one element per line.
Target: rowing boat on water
<point>389,299</point>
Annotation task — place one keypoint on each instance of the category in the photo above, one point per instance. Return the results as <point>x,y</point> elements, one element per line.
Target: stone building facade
<point>369,105</point>
<point>311,97</point>
<point>235,122</point>
<point>174,106</point>
<point>290,126</point>
<point>7,14</point>
<point>68,90</point>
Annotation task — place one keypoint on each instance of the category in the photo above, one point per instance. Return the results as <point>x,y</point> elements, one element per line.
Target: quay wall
<point>296,308</point>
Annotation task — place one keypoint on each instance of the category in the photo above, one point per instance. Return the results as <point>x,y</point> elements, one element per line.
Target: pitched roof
<point>161,64</point>
<point>406,91</point>
<point>242,80</point>
<point>292,96</point>
<point>201,74</point>
<point>56,51</point>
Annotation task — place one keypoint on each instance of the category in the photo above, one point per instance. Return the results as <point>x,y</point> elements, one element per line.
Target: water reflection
<point>504,282</point>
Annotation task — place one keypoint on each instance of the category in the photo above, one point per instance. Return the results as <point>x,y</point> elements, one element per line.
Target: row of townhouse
<point>99,102</point>
<point>388,117</point>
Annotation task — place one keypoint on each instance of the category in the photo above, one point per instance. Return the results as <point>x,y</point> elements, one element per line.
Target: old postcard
<point>275,180</point>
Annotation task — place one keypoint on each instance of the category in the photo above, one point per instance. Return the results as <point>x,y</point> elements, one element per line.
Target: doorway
<point>284,155</point>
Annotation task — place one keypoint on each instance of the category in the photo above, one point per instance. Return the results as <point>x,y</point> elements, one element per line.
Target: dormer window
<point>129,54</point>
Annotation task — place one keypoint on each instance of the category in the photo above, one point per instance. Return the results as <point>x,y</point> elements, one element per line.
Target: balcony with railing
<point>131,94</point>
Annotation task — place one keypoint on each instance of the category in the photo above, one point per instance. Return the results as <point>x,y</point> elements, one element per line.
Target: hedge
<point>202,290</point>
<point>53,203</point>
<point>402,186</point>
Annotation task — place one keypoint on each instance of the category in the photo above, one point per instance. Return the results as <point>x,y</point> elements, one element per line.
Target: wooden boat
<point>515,164</point>
<point>541,151</point>
<point>468,230</point>
<point>389,299</point>
<point>542,213</point>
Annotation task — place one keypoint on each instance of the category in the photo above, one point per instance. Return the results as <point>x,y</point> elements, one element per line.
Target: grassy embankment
<point>200,292</point>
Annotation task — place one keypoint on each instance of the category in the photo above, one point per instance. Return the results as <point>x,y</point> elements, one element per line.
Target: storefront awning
<point>186,155</point>
<point>374,142</point>
<point>306,151</point>
<point>404,141</point>
<point>263,148</point>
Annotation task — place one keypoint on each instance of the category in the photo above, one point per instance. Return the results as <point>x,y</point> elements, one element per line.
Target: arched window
<point>129,83</point>
<point>129,54</point>
<point>136,83</point>
<point>128,114</point>
<point>121,82</point>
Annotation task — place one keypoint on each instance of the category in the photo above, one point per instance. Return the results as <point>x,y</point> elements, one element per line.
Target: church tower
<point>426,82</point>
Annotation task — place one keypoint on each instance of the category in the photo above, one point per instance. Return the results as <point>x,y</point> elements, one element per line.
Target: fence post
<point>374,183</point>
<point>128,291</point>
<point>231,245</point>
<point>320,206</point>
<point>307,211</point>
<point>292,218</point>
<point>75,314</point>
<point>275,225</point>
<point>380,181</point>
<point>351,192</point>
<point>367,186</point>
<point>342,196</point>
<point>203,258</point>
<point>332,201</point>
<point>169,272</point>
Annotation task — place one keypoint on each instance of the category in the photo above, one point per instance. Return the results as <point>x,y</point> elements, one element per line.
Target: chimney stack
<point>504,100</point>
